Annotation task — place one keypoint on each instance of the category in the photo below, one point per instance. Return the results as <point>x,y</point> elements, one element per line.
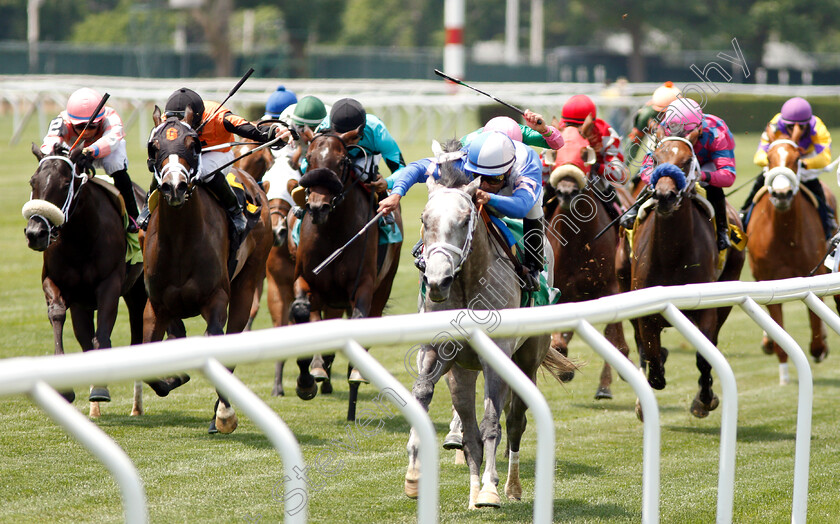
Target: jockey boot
<point>829,224</point>
<point>759,183</point>
<point>532,257</point>
<point>715,197</point>
<point>123,183</point>
<point>143,217</point>
<point>218,185</point>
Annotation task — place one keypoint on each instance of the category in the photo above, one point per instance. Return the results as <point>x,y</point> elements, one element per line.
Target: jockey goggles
<point>180,115</point>
<point>494,179</point>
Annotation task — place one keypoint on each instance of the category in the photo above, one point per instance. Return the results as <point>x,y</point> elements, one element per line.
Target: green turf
<point>193,477</point>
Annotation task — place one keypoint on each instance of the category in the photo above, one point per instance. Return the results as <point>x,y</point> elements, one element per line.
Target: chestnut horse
<point>280,267</point>
<point>676,245</point>
<point>785,237</point>
<point>575,215</point>
<point>189,220</point>
<point>78,226</point>
<point>338,205</point>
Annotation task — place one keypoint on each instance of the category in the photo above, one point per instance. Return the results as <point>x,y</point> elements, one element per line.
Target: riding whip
<point>230,94</point>
<point>92,117</point>
<point>340,250</point>
<point>440,73</point>
<point>832,244</point>
<point>646,194</point>
<point>748,182</point>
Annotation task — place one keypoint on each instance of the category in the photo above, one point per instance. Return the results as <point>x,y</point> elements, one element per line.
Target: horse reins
<point>520,270</point>
<point>447,249</point>
<point>347,167</point>
<point>72,192</point>
<point>691,176</point>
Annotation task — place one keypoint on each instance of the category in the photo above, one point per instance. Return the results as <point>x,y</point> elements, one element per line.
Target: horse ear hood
<point>322,177</point>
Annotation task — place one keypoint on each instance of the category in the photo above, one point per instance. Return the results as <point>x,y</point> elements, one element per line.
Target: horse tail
<point>558,365</point>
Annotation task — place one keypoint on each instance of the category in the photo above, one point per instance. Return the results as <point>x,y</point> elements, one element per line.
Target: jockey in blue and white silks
<point>511,176</point>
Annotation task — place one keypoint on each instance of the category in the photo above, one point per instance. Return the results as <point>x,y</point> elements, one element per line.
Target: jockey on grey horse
<point>511,186</point>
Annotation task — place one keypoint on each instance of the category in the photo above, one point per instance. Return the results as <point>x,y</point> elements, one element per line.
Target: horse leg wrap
<point>299,312</point>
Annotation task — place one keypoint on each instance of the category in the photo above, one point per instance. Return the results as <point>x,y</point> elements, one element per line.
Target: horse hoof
<point>212,429</point>
<point>356,376</point>
<point>453,441</point>
<point>657,383</point>
<point>639,413</point>
<point>513,491</point>
<point>700,409</point>
<point>227,425</point>
<point>319,374</point>
<point>488,499</point>
<point>821,356</point>
<point>308,392</point>
<point>326,387</point>
<point>136,412</point>
<point>767,345</point>
<point>164,386</point>
<point>99,394</point>
<point>278,392</point>
<point>603,393</point>
<point>566,376</point>
<point>411,488</point>
<point>69,396</point>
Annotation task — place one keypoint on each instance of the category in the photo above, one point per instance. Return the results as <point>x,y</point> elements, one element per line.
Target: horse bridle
<point>347,166</point>
<point>691,176</point>
<point>784,171</point>
<point>448,249</point>
<point>72,194</point>
<point>174,166</point>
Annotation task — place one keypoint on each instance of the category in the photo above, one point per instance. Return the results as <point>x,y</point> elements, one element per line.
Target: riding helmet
<point>505,125</point>
<point>490,153</point>
<point>310,111</point>
<point>81,104</point>
<point>577,108</point>
<point>664,95</point>
<point>796,111</point>
<point>347,114</point>
<point>278,101</point>
<point>682,116</point>
<point>178,102</point>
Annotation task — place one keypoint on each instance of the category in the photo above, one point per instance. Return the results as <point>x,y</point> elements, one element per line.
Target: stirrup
<point>143,218</point>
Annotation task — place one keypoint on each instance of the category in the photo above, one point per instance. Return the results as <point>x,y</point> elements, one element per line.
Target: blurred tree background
<point>225,26</point>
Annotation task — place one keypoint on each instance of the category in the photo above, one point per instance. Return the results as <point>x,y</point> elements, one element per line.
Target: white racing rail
<point>39,376</point>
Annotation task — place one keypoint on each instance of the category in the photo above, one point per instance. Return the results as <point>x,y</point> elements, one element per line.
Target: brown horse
<point>338,205</point>
<point>190,220</point>
<point>78,226</point>
<point>575,215</point>
<point>785,237</point>
<point>676,245</point>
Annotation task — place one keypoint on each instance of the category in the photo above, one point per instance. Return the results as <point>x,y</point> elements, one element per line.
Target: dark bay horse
<point>78,226</point>
<point>676,245</point>
<point>187,248</point>
<point>574,216</point>
<point>785,237</point>
<point>466,270</point>
<point>338,205</point>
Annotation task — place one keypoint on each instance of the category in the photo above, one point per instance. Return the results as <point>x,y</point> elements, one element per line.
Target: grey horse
<point>465,269</point>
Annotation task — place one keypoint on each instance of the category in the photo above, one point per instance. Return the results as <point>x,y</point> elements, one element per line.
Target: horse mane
<point>451,176</point>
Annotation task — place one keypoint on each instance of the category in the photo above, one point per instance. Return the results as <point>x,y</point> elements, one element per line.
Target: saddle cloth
<point>133,253</point>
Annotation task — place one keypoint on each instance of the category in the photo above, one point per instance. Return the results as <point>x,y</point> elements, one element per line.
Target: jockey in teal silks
<point>374,140</point>
<point>511,186</point>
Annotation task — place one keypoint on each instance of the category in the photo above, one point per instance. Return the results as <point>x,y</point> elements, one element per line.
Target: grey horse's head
<point>449,222</point>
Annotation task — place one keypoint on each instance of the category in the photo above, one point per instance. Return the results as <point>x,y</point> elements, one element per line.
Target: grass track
<point>193,477</point>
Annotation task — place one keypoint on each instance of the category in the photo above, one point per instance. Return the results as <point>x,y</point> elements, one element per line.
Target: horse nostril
<point>182,187</point>
<point>166,187</point>
<point>446,282</point>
